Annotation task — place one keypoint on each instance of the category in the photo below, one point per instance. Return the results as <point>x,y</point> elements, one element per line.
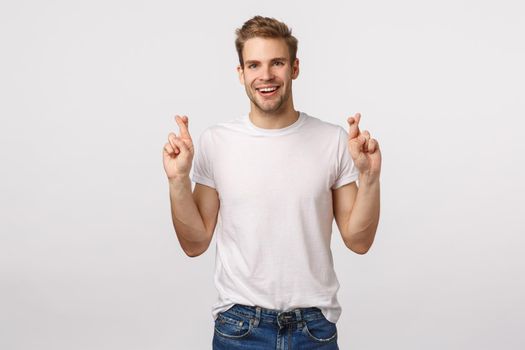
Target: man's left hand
<point>364,150</point>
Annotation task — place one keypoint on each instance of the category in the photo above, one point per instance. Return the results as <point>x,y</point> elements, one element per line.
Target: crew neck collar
<point>275,132</point>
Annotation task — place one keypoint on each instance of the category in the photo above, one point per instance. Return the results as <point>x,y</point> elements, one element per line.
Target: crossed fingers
<point>360,141</point>
<point>183,141</point>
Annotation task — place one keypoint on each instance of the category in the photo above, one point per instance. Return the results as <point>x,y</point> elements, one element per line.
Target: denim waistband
<point>281,318</point>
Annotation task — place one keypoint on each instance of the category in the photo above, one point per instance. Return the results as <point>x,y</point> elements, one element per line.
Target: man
<point>279,177</point>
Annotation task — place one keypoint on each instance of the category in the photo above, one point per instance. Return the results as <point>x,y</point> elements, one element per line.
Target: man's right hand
<point>178,152</point>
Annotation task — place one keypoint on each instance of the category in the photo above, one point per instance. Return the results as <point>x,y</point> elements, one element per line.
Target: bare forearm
<point>186,218</point>
<point>364,218</point>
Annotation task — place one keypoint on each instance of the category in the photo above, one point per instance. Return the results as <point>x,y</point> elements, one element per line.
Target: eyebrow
<point>272,60</point>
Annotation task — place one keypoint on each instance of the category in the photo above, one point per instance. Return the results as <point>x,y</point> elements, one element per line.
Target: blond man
<point>269,185</point>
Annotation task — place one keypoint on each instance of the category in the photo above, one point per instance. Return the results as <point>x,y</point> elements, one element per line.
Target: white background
<point>88,90</point>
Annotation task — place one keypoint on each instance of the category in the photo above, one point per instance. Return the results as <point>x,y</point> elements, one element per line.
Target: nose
<point>267,73</point>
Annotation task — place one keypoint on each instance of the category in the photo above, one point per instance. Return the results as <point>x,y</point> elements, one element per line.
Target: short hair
<point>265,27</point>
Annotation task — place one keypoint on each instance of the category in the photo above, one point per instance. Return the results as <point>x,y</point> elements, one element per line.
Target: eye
<point>279,63</point>
<point>252,65</point>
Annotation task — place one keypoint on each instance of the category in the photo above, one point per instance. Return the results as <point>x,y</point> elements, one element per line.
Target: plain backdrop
<point>88,255</point>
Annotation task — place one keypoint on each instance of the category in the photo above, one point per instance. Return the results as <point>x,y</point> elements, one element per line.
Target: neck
<point>273,120</point>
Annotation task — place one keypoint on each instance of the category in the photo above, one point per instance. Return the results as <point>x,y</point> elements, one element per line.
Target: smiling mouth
<point>267,91</point>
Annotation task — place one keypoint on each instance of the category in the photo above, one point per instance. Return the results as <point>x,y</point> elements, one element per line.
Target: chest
<point>274,169</point>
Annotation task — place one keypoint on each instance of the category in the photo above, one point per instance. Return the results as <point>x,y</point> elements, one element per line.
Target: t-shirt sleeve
<point>346,171</point>
<point>202,166</point>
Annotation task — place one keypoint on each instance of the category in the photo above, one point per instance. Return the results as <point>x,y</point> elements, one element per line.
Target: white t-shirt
<point>275,217</point>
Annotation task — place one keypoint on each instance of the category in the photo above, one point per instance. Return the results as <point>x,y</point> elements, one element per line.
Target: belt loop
<point>299,318</point>
<point>257,316</point>
<point>298,314</point>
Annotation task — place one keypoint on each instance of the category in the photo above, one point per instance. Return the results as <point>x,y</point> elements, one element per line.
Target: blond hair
<point>265,27</point>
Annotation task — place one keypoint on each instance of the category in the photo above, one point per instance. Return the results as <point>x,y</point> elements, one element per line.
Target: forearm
<point>364,218</point>
<point>186,218</point>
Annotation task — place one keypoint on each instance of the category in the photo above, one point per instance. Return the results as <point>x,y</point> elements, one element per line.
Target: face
<point>268,73</point>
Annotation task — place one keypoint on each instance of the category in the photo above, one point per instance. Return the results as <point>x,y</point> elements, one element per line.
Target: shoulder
<point>235,124</point>
<point>325,127</point>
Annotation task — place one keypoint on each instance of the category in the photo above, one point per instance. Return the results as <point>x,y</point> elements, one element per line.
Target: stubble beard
<point>274,107</point>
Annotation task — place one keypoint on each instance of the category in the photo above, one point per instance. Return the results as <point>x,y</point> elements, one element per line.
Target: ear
<point>240,71</point>
<point>295,69</point>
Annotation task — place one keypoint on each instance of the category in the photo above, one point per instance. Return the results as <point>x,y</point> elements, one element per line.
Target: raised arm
<point>356,209</point>
<point>194,215</point>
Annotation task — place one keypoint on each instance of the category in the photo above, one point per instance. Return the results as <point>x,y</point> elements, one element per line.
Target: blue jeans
<point>252,327</point>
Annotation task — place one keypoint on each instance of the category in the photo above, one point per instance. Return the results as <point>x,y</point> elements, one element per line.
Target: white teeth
<point>268,89</point>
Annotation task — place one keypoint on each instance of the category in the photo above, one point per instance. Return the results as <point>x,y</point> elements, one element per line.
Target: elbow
<point>193,254</point>
<point>360,248</point>
<point>192,248</point>
<point>361,242</point>
<point>196,250</point>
